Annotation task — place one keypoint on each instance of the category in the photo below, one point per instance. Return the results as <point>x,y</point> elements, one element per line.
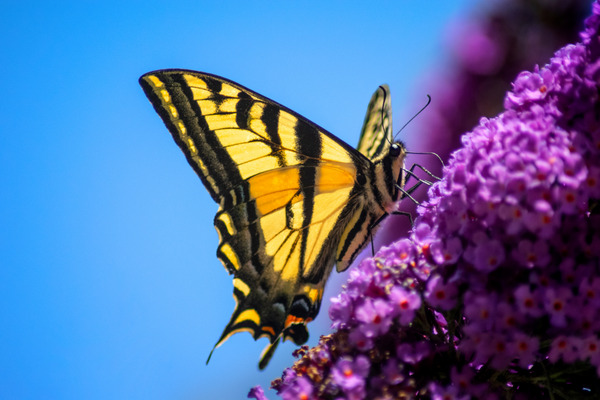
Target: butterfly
<point>294,200</point>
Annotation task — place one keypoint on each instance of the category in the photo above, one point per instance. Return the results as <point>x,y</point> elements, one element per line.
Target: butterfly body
<point>294,200</point>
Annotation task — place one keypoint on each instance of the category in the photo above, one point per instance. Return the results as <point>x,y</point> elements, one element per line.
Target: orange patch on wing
<point>334,176</point>
<point>292,319</point>
<point>268,329</point>
<point>274,189</point>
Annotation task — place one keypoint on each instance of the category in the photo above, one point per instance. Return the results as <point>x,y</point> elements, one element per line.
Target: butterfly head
<point>396,149</point>
<point>394,163</point>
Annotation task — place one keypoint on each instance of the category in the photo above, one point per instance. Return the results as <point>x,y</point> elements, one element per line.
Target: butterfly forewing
<point>376,133</point>
<point>293,199</point>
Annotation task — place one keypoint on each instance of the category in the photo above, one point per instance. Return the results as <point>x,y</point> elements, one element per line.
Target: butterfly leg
<point>405,213</point>
<point>370,231</point>
<point>407,193</point>
<point>424,170</point>
<point>411,173</point>
<point>378,221</point>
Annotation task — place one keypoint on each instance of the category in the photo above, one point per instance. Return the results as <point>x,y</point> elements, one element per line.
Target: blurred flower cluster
<point>486,50</point>
<point>496,294</point>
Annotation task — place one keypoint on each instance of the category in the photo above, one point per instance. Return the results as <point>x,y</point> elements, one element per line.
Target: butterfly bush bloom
<point>496,294</point>
<point>485,55</point>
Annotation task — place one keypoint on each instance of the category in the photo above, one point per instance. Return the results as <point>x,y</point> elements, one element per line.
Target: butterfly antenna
<point>415,116</point>
<point>430,153</point>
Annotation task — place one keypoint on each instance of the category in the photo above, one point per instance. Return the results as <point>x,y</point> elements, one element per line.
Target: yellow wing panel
<point>328,207</point>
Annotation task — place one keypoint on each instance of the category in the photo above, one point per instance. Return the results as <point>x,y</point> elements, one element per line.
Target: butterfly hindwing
<point>294,200</point>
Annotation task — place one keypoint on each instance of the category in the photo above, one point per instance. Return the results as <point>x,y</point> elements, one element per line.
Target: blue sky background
<point>109,283</point>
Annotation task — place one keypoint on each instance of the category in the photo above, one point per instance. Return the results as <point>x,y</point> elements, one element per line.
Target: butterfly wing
<point>376,135</point>
<point>288,192</point>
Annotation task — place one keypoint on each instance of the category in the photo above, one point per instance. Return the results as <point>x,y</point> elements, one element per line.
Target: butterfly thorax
<point>388,178</point>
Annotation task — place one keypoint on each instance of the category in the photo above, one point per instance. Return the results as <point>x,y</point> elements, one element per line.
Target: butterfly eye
<point>360,178</point>
<point>395,150</point>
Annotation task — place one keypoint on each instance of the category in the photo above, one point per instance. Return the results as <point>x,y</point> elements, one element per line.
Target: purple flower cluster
<point>497,292</point>
<point>486,53</point>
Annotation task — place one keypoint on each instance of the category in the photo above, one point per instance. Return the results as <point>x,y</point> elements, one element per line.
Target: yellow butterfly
<point>294,200</point>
